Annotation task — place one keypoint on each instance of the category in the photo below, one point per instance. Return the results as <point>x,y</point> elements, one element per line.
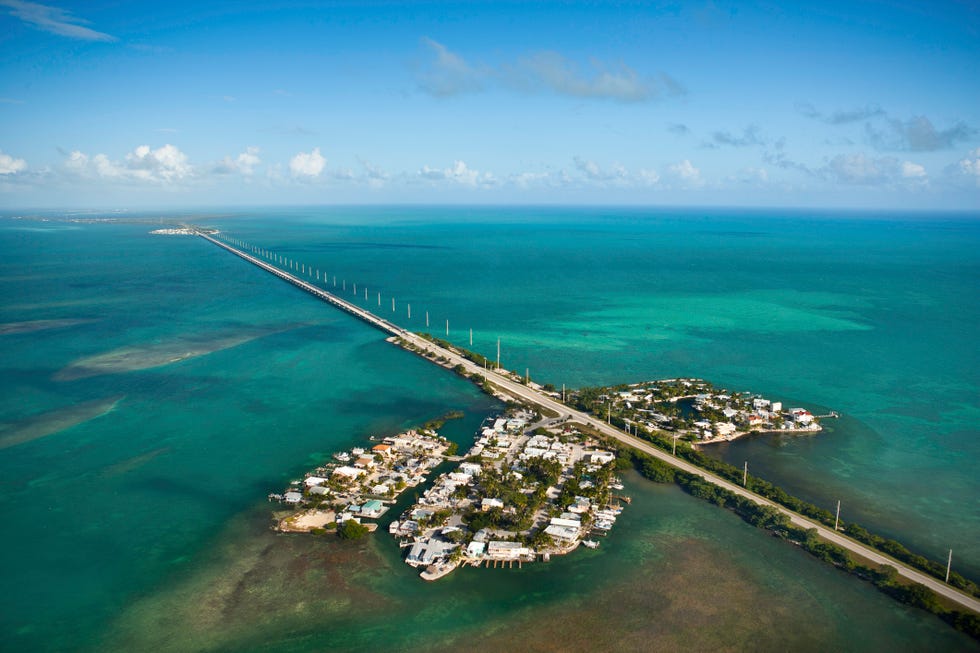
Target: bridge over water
<point>532,396</point>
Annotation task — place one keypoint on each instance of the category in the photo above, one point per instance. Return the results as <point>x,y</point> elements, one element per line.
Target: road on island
<point>521,391</point>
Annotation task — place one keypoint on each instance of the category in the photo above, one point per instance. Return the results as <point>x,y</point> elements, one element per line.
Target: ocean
<point>155,389</point>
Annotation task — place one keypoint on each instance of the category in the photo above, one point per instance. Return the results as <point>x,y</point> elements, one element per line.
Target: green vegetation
<point>439,422</point>
<point>886,579</point>
<point>351,530</point>
<point>479,359</point>
<point>664,441</point>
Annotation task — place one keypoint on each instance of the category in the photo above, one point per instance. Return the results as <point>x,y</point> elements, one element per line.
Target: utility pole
<point>471,337</point>
<point>562,393</point>
<point>410,311</point>
<point>498,353</point>
<point>745,474</point>
<point>674,452</point>
<point>427,319</point>
<point>837,518</point>
<point>447,328</point>
<point>949,564</point>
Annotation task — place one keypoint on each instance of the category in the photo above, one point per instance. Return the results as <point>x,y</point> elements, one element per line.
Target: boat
<point>343,456</point>
<point>592,544</point>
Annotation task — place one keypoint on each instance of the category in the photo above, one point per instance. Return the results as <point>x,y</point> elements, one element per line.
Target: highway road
<point>531,396</point>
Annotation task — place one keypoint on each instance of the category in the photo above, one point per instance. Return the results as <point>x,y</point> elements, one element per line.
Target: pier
<point>533,397</point>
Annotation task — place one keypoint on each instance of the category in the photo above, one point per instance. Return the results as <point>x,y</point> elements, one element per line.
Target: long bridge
<point>532,396</point>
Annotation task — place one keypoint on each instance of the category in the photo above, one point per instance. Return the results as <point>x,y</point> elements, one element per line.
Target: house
<point>581,505</point>
<point>312,481</point>
<point>383,449</point>
<point>761,404</point>
<point>367,462</point>
<point>475,549</point>
<point>566,523</point>
<point>801,416</point>
<point>724,429</point>
<point>348,472</point>
<point>372,508</point>
<point>319,490</point>
<point>489,504</point>
<point>563,533</point>
<point>506,550</point>
<point>473,469</point>
<point>777,406</point>
<point>292,497</point>
<point>601,457</point>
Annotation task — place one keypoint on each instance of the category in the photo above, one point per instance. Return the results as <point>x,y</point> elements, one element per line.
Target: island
<point>361,483</point>
<point>694,410</point>
<point>529,488</point>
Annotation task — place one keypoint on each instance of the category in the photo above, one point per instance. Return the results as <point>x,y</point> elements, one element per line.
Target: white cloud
<point>917,134</point>
<point>550,70</point>
<point>244,163</point>
<point>590,169</point>
<point>307,164</point>
<point>165,165</point>
<point>862,170</point>
<point>970,166</point>
<point>593,172</point>
<point>648,177</point>
<point>459,173</point>
<point>448,74</point>
<point>10,166</point>
<point>912,170</point>
<point>54,20</point>
<point>686,173</point>
<point>529,179</point>
<point>373,174</point>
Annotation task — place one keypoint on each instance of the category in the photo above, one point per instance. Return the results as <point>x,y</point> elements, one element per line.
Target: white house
<point>488,504</point>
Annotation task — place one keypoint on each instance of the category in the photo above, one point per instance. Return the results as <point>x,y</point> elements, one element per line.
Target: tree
<point>351,530</point>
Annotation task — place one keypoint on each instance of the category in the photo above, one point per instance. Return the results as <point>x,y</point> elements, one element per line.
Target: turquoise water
<point>129,516</point>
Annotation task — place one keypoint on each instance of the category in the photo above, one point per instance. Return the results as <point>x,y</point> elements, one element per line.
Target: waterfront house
<point>348,472</point>
<point>801,416</point>
<point>383,449</point>
<point>292,497</point>
<point>372,508</point>
<point>506,550</point>
<point>724,429</point>
<point>473,469</point>
<point>601,457</point>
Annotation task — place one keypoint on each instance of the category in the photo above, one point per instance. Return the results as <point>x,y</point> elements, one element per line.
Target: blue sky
<point>130,104</point>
